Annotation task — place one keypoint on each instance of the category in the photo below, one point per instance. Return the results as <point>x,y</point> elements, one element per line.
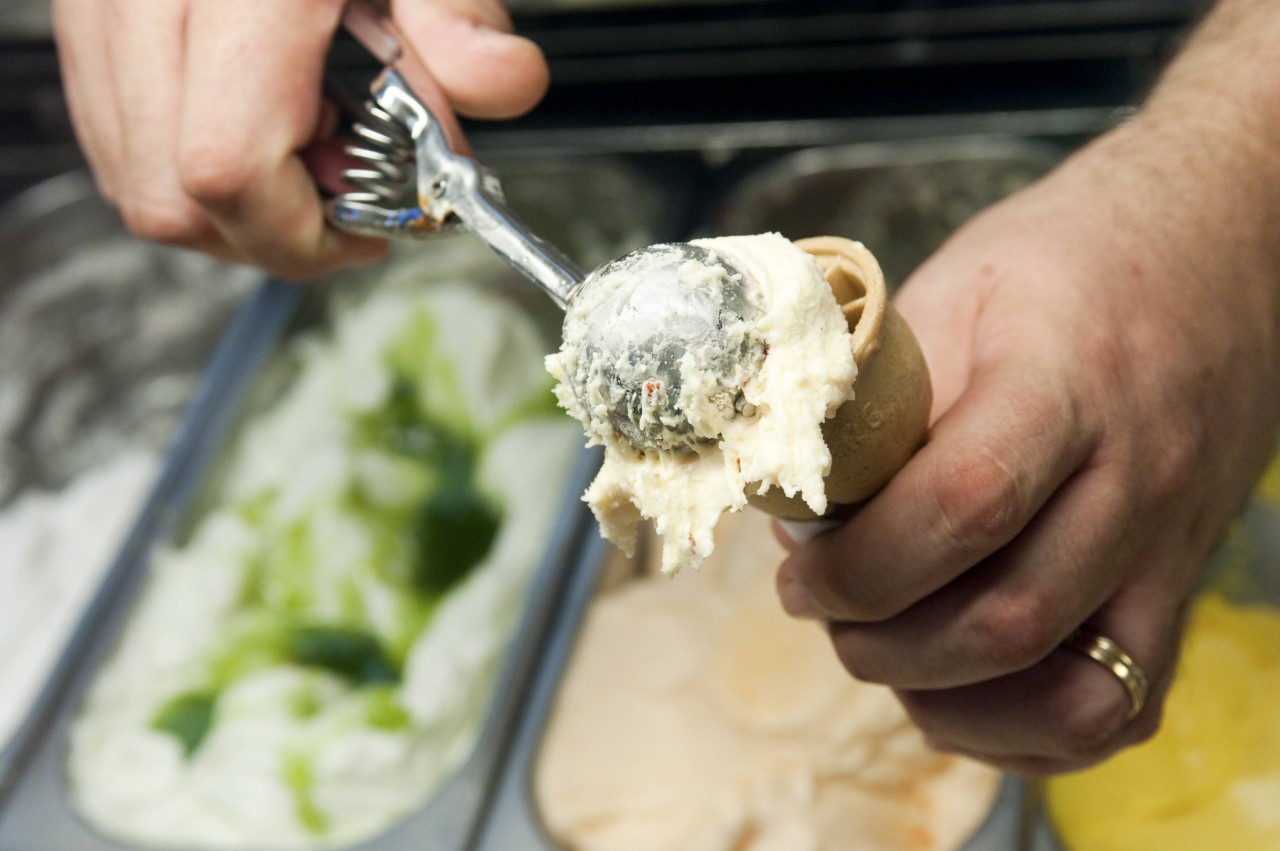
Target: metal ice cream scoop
<point>657,315</point>
<point>642,329</point>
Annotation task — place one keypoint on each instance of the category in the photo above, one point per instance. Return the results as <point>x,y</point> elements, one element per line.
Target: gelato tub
<point>312,660</point>
<point>692,713</point>
<point>324,618</point>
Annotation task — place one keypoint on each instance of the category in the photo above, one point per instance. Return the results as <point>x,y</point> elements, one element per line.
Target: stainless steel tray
<point>103,340</point>
<point>35,813</point>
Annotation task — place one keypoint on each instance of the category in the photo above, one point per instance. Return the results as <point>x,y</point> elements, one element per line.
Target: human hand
<point>204,124</point>
<point>1105,361</point>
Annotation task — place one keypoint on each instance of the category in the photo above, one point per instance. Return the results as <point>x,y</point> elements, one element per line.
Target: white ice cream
<point>205,729</point>
<point>54,549</point>
<point>775,439</point>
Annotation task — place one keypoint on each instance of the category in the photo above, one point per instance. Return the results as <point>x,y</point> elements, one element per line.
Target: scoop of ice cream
<point>658,344</point>
<point>768,436</point>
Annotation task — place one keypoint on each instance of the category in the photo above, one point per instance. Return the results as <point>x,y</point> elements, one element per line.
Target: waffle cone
<point>873,434</point>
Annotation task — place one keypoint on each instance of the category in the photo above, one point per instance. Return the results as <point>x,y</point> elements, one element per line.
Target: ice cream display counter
<point>357,600</point>
<point>272,665</point>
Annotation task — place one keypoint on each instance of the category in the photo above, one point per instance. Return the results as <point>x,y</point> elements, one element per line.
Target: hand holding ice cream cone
<point>836,403</point>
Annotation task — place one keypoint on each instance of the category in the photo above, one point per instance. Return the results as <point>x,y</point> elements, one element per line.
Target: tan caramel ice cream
<point>699,717</point>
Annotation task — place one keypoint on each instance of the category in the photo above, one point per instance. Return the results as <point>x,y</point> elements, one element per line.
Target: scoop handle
<point>449,186</point>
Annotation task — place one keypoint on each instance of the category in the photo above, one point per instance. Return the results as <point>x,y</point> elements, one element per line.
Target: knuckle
<point>838,585</point>
<point>1150,474</point>
<point>167,223</point>
<point>844,639</point>
<point>849,599</point>
<point>1014,632</point>
<point>979,499</point>
<point>868,607</point>
<point>1106,356</point>
<point>213,176</point>
<point>1172,473</point>
<point>1088,728</point>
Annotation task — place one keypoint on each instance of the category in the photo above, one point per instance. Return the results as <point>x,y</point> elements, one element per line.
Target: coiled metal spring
<point>386,176</point>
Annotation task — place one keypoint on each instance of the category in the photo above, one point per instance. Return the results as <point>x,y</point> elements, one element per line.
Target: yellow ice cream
<point>1211,777</point>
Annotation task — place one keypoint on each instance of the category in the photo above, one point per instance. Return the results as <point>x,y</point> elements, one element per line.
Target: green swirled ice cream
<point>316,659</point>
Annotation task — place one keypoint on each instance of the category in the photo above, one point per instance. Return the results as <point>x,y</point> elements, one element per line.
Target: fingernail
<point>797,601</point>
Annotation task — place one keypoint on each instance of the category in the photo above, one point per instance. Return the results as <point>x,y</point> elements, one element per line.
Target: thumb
<point>483,68</point>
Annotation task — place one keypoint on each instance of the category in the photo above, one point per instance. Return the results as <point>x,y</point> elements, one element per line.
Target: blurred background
<point>733,81</point>
<point>891,121</point>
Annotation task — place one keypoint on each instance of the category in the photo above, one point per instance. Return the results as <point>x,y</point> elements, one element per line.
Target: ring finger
<point>1067,711</point>
<point>1009,611</point>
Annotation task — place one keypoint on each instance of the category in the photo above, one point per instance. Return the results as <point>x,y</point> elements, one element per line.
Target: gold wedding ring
<point>1108,654</point>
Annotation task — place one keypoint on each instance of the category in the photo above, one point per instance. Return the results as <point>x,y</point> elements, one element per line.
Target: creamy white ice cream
<point>54,549</point>
<point>316,660</point>
<point>771,437</point>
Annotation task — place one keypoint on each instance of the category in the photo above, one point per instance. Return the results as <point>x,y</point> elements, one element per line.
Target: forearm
<point>1229,72</point>
<point>1189,192</point>
<point>1200,163</point>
